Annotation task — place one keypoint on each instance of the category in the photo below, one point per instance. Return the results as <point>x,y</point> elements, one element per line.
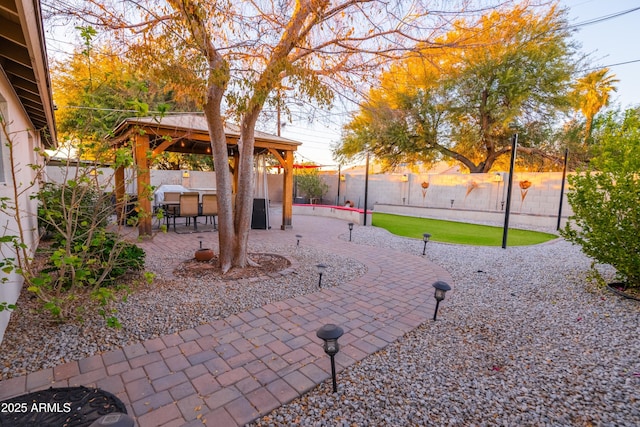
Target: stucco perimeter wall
<point>466,192</point>
<point>456,192</point>
<point>189,179</point>
<point>197,180</point>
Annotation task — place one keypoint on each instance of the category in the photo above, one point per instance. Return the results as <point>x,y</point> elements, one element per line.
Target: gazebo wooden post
<point>287,191</point>
<point>119,193</point>
<point>144,184</point>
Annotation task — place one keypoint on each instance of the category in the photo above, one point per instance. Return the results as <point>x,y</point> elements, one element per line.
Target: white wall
<point>516,219</point>
<point>24,142</point>
<point>470,192</point>
<point>195,179</point>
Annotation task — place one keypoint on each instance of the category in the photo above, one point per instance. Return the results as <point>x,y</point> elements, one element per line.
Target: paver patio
<point>232,371</point>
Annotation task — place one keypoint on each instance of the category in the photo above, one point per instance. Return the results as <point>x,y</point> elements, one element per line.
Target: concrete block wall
<point>192,179</point>
<point>274,182</point>
<point>478,192</point>
<point>469,192</point>
<point>345,214</point>
<point>189,179</point>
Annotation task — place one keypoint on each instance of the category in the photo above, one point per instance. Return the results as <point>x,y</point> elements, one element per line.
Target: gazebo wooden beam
<point>278,156</point>
<point>162,147</point>
<point>236,170</point>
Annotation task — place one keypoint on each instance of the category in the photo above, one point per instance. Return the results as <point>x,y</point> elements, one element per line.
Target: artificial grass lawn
<point>457,232</point>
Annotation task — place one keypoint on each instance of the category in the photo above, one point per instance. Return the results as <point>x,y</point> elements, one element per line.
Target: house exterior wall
<point>24,141</point>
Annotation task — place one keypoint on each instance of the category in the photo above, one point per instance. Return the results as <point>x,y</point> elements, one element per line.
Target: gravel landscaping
<point>524,340</point>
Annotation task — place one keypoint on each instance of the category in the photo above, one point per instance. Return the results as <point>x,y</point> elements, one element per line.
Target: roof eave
<point>31,22</point>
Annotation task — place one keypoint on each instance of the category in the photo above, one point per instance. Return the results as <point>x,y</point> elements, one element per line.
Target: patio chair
<point>210,208</point>
<point>191,193</point>
<point>189,208</point>
<point>170,205</point>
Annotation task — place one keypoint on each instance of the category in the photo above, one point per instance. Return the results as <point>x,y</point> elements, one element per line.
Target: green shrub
<point>82,257</point>
<point>130,257</point>
<point>606,198</point>
<point>311,184</point>
<point>74,207</point>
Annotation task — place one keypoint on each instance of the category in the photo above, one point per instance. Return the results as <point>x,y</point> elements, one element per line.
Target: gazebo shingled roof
<point>188,133</point>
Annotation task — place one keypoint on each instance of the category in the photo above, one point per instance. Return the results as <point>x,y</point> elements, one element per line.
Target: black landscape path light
<point>321,268</point>
<point>425,239</point>
<point>330,333</point>
<point>441,289</point>
<point>298,237</point>
<point>350,229</point>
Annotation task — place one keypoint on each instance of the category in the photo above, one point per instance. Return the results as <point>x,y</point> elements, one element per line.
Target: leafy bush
<point>311,184</point>
<point>130,256</point>
<point>606,198</point>
<point>82,257</point>
<point>76,206</point>
<point>106,258</point>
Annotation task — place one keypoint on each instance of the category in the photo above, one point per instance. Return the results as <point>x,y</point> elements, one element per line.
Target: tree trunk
<point>476,169</point>
<point>587,131</point>
<point>226,231</point>
<point>233,224</point>
<point>244,197</point>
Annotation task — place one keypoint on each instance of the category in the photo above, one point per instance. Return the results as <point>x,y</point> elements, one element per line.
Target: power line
<point>612,65</point>
<point>603,18</point>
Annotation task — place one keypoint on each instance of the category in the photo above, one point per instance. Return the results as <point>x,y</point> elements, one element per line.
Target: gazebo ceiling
<point>188,133</point>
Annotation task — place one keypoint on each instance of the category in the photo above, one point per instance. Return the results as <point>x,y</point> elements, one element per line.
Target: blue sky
<point>612,41</point>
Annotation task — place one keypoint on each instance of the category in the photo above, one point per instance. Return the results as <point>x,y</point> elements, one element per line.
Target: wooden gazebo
<point>188,133</point>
